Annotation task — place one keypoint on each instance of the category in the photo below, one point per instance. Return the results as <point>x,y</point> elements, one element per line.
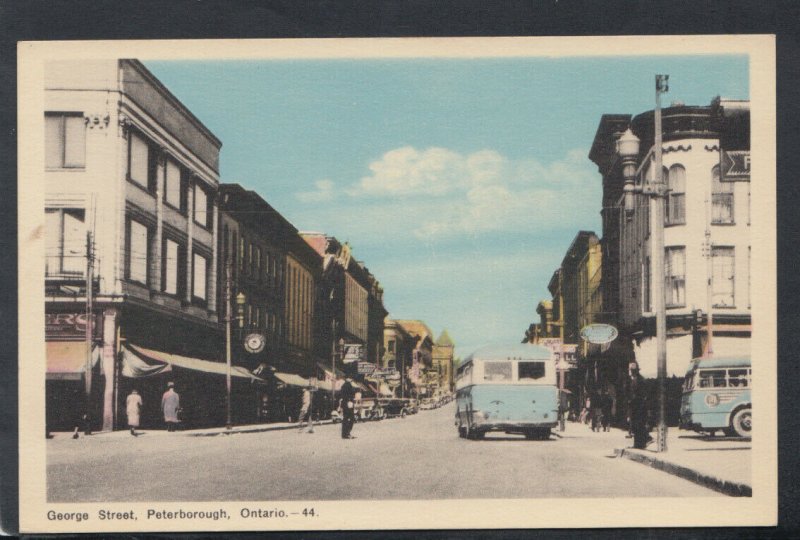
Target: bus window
<point>737,378</point>
<point>712,378</point>
<point>497,371</point>
<point>531,370</point>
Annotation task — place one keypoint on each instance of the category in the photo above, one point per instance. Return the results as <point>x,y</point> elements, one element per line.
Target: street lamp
<point>655,188</point>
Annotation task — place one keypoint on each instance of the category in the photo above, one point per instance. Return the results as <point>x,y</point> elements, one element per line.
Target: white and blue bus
<point>716,396</point>
<point>510,388</point>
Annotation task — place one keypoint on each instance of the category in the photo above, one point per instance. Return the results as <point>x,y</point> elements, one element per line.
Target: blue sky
<point>459,183</point>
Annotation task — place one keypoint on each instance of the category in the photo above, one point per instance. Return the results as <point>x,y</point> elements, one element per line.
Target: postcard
<point>331,284</point>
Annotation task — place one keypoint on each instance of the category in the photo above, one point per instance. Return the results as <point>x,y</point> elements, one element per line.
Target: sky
<point>460,183</point>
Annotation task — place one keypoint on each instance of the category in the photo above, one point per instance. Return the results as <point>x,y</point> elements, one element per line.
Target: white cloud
<point>323,193</point>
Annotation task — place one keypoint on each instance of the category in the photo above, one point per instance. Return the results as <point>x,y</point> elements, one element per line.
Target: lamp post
<point>628,150</point>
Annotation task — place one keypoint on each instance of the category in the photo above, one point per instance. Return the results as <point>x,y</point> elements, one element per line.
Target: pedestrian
<point>638,408</point>
<point>584,416</point>
<point>596,411</point>
<point>348,395</point>
<point>606,406</point>
<point>133,408</point>
<point>170,405</point>
<point>306,414</point>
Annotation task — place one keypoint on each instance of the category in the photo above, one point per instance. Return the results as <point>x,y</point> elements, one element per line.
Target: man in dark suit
<point>348,396</point>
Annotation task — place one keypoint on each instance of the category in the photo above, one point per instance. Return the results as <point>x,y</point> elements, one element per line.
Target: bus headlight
<point>712,400</point>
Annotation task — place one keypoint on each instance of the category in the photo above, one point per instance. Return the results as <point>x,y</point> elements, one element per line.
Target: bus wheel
<point>742,422</point>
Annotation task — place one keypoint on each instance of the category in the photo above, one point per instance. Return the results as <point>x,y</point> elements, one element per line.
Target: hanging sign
<point>599,333</point>
<point>352,353</point>
<point>734,165</point>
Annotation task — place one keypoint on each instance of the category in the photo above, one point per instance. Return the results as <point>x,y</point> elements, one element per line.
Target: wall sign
<point>734,165</point>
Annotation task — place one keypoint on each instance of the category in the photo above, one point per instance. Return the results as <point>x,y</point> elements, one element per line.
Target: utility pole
<point>89,329</point>
<point>657,195</point>
<point>228,316</point>
<point>333,363</point>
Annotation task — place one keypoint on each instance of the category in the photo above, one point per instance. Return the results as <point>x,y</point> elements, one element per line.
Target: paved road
<point>419,457</point>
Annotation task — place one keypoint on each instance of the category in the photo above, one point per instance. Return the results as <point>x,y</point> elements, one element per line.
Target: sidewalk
<point>719,463</point>
<point>205,432</point>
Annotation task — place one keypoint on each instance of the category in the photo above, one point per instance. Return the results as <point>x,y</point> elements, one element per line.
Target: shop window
<point>722,277</point>
<point>65,242</point>
<point>675,212</point>
<point>65,141</point>
<point>199,277</point>
<point>138,251</point>
<point>721,199</point>
<point>141,162</point>
<point>675,276</point>
<point>173,185</point>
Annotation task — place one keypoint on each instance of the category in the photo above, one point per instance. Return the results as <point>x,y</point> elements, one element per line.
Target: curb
<point>733,489</point>
<point>253,430</point>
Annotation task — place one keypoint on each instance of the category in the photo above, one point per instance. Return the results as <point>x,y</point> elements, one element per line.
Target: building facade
<point>422,377</point>
<point>442,362</point>
<point>131,180</point>
<point>706,236</point>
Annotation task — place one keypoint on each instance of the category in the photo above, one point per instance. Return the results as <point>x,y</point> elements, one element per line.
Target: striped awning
<point>134,357</point>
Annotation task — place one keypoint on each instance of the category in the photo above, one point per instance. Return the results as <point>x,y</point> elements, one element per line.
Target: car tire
<point>742,422</point>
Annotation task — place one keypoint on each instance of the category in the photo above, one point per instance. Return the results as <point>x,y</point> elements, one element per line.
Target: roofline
<point>152,79</point>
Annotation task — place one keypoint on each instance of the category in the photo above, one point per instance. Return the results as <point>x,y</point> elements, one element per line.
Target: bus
<point>510,389</point>
<point>716,396</point>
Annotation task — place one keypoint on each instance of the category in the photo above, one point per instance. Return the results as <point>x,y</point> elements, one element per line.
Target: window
<point>738,378</point>
<point>711,378</point>
<point>391,346</point>
<point>170,264</point>
<point>201,206</point>
<point>531,370</point>
<point>722,277</point>
<point>675,276</point>
<point>65,242</point>
<point>721,199</point>
<point>172,185</point>
<point>141,162</point>
<point>138,252</point>
<point>199,276</point>
<point>65,141</point>
<point>675,212</point>
<point>257,263</point>
<point>497,371</point>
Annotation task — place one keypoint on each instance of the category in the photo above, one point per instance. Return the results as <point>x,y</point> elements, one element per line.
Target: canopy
<point>292,379</point>
<point>141,362</point>
<point>66,360</point>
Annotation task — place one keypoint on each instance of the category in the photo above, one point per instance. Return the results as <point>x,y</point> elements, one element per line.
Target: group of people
<point>170,408</point>
<point>597,409</point>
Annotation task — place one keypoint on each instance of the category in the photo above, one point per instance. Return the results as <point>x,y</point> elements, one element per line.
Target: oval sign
<point>599,333</point>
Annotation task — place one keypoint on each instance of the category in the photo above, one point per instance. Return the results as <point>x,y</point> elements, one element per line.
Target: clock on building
<point>254,343</point>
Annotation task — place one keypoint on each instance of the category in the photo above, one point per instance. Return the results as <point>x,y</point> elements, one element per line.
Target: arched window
<point>721,198</point>
<point>675,213</point>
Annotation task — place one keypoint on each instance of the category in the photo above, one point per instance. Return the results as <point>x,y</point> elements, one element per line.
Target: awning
<point>150,357</point>
<point>292,379</point>
<point>66,360</point>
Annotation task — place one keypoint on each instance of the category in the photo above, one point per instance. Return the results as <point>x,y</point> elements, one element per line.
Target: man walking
<point>170,403</point>
<point>133,408</point>
<point>348,396</point>
<point>306,414</point>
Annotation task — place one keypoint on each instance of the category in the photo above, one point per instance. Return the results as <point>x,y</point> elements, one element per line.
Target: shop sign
<point>734,165</point>
<point>599,334</point>
<point>352,352</point>
<point>67,325</point>
<point>366,368</point>
<point>386,373</point>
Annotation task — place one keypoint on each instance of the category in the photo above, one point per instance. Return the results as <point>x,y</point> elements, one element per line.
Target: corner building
<point>131,180</point>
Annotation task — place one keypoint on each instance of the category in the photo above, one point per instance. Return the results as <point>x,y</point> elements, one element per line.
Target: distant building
<point>442,360</point>
<point>423,378</point>
<point>398,354</point>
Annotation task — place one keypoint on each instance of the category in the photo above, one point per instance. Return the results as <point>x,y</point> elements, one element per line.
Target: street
<point>420,456</point>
